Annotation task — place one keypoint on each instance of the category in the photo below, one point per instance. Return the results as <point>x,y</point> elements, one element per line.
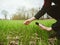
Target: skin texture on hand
<point>28,21</point>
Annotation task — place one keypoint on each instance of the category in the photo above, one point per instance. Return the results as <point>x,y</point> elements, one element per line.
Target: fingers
<point>26,22</point>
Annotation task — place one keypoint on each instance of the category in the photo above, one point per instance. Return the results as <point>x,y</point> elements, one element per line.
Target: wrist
<point>33,18</point>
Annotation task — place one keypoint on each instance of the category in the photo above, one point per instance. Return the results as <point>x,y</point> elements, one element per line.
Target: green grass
<point>26,33</point>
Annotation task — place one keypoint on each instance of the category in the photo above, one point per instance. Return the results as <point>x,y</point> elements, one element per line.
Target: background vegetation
<point>26,34</point>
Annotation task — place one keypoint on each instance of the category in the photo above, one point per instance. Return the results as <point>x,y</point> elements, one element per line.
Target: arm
<point>44,27</point>
<point>46,6</point>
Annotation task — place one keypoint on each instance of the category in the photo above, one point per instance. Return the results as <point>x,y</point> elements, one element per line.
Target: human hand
<point>28,21</point>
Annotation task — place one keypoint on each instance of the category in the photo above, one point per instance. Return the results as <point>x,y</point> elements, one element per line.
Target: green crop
<point>27,34</point>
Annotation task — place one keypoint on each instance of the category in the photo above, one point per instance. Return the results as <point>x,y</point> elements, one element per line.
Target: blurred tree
<point>17,16</point>
<point>4,12</point>
<point>22,13</point>
<point>34,11</point>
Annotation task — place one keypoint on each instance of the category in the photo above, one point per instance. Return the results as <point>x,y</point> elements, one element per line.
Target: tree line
<point>22,13</point>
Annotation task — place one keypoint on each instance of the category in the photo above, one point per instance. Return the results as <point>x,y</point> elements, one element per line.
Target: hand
<point>28,21</point>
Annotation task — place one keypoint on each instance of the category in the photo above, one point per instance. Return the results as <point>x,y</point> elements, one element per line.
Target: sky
<point>12,5</point>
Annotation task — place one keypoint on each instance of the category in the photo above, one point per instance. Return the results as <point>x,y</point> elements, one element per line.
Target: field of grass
<point>27,34</point>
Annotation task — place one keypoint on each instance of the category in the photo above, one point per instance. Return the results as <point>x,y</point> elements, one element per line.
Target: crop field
<point>14,31</point>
